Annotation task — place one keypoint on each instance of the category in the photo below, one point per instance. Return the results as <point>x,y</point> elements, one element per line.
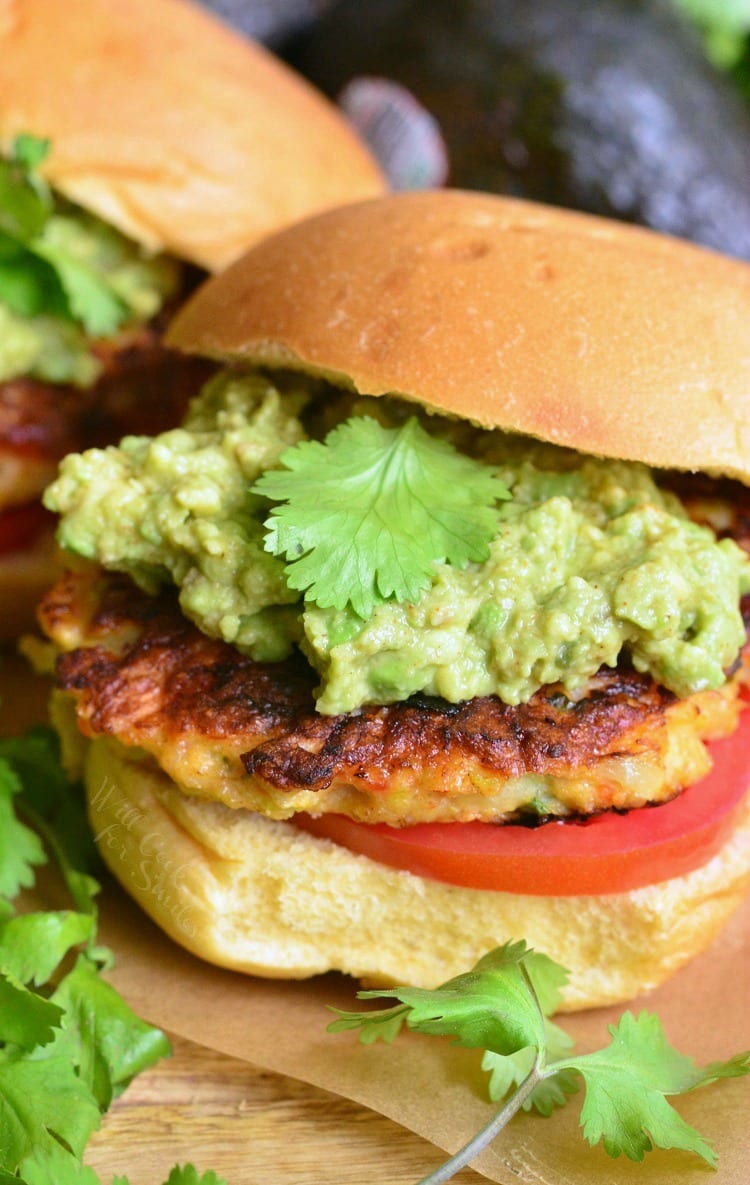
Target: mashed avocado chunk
<point>176,508</point>
<point>585,563</point>
<point>591,558</point>
<point>66,277</point>
<point>46,348</point>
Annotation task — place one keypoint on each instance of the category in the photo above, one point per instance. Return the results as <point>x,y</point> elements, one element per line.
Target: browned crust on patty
<point>547,735</point>
<point>248,734</point>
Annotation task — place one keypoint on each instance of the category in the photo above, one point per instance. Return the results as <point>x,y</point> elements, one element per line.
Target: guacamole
<point>591,557</point>
<point>76,264</point>
<point>176,508</point>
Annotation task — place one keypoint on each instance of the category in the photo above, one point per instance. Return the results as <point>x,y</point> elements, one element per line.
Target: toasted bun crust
<point>262,897</point>
<point>607,338</point>
<point>187,137</point>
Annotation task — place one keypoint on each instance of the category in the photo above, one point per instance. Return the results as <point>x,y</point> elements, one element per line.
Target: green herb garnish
<point>368,512</point>
<point>65,276</point>
<point>502,1006</point>
<point>185,1176</point>
<point>69,1043</point>
<point>39,274</point>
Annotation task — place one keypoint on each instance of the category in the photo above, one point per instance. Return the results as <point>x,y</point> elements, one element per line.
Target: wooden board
<point>252,1127</point>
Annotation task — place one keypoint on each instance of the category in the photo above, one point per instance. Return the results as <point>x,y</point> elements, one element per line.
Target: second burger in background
<point>141,146</point>
<point>425,630</point>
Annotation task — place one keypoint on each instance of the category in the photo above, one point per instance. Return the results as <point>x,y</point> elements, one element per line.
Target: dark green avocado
<point>609,106</point>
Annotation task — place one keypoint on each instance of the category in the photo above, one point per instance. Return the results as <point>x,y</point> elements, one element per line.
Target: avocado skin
<point>608,106</point>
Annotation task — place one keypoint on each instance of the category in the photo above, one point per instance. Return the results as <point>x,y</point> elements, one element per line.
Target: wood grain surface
<point>253,1128</point>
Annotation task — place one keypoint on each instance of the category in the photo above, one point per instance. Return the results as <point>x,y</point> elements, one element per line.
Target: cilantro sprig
<point>65,276</point>
<point>39,274</point>
<point>367,513</point>
<point>69,1043</point>
<point>502,1006</point>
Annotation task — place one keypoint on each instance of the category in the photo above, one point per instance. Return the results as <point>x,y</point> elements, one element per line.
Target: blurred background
<point>635,109</point>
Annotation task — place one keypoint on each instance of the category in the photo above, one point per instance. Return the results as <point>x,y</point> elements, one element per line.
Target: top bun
<point>169,126</point>
<point>588,333</point>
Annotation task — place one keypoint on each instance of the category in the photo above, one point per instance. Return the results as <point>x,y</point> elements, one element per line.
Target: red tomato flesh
<point>606,853</point>
<point>20,525</point>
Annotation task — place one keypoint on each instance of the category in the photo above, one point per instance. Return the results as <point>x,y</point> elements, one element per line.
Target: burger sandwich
<point>425,630</point>
<point>141,146</point>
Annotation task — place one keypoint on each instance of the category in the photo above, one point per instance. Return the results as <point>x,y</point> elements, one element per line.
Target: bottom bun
<point>24,576</point>
<point>259,896</point>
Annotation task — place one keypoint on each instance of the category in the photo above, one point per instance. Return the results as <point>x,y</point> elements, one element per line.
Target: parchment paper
<point>426,1084</point>
<point>433,1088</point>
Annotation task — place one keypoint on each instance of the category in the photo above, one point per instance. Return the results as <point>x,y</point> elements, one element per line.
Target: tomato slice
<point>20,525</point>
<point>607,853</point>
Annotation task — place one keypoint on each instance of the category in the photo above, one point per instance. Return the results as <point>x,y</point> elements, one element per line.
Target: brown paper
<point>436,1089</point>
<point>430,1086</point>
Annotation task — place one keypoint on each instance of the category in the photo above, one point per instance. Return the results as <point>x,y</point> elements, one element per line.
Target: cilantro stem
<point>541,1055</point>
<point>487,1134</point>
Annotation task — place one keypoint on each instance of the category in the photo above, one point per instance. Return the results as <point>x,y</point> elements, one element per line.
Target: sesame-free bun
<point>604,337</point>
<point>263,897</point>
<point>181,133</point>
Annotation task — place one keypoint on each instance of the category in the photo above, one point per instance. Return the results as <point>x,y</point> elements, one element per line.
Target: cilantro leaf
<point>65,1055</point>
<point>104,1038</point>
<point>23,208</point>
<point>189,1176</point>
<point>20,848</point>
<point>35,757</point>
<point>625,1104</point>
<point>626,1083</point>
<point>25,281</point>
<point>33,944</point>
<point>26,1019</point>
<point>56,806</point>
<point>42,1098</point>
<point>368,513</point>
<point>64,274</point>
<point>89,293</point>
<point>180,1175</point>
<point>29,151</point>
<point>485,1011</point>
<point>383,1023</point>
<point>491,1007</point>
<point>55,1165</point>
<point>511,1070</point>
<point>548,979</point>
